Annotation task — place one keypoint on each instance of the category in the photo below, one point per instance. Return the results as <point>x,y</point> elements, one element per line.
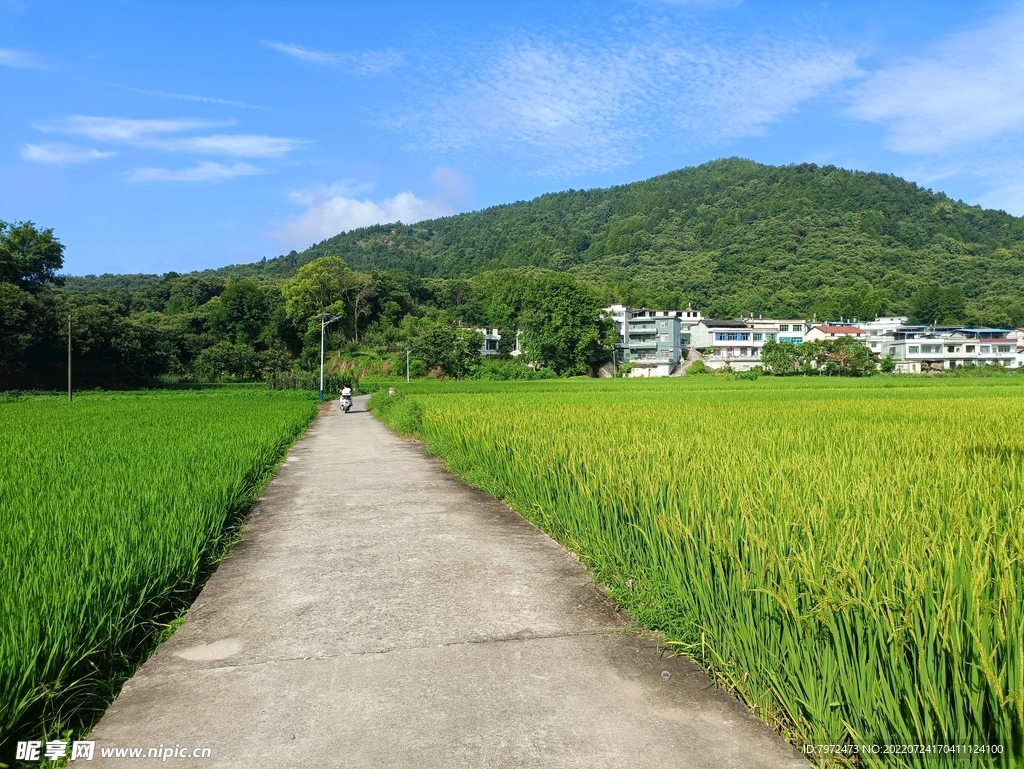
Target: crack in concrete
<point>393,649</point>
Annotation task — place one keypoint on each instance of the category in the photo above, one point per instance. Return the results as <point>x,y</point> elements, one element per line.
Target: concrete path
<point>380,613</point>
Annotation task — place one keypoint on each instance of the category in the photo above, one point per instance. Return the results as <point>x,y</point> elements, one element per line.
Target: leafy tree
<point>225,360</point>
<point>29,258</point>
<point>778,359</point>
<point>357,290</point>
<point>316,288</point>
<point>564,327</point>
<point>241,312</point>
<point>845,356</point>
<point>455,350</point>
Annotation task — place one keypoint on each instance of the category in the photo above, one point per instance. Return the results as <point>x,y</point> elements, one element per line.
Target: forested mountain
<point>732,237</point>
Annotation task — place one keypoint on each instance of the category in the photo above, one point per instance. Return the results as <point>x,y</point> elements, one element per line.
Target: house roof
<point>708,323</point>
<point>840,329</point>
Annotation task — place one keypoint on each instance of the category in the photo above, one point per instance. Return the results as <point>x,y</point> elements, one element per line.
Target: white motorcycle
<point>346,400</point>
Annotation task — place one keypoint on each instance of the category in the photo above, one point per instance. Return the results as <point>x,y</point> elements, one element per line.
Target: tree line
<point>206,327</point>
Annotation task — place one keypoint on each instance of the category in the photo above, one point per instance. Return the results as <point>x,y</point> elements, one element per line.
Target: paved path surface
<point>380,613</point>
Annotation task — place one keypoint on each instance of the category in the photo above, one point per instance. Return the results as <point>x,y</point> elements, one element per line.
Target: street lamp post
<point>324,323</point>
<point>408,351</point>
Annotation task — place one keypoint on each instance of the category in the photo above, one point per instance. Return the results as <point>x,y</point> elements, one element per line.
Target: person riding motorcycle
<point>346,397</point>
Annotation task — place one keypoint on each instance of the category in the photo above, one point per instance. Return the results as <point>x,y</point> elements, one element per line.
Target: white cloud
<point>568,102</point>
<point>968,89</point>
<point>20,59</point>
<point>365,63</point>
<point>242,145</point>
<point>61,154</point>
<point>585,106</point>
<point>729,95</point>
<point>126,130</point>
<point>201,172</point>
<point>326,218</point>
<point>154,134</point>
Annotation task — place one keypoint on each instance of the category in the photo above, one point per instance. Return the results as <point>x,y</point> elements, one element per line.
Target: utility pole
<point>69,356</point>
<point>408,351</point>
<point>324,323</point>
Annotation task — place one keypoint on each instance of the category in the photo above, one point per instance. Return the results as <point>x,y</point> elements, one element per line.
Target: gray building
<point>653,343</point>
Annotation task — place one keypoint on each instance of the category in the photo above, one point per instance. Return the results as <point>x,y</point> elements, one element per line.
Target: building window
<point>784,327</point>
<point>757,337</point>
<point>874,344</point>
<point>985,348</point>
<point>970,348</point>
<point>1005,348</point>
<point>492,345</point>
<point>664,337</point>
<point>664,353</point>
<point>914,349</point>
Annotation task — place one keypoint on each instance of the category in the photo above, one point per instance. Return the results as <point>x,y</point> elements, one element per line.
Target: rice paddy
<point>113,511</point>
<point>845,556</point>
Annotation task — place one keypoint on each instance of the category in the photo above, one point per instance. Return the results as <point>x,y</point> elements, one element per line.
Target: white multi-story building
<point>738,343</point>
<point>492,341</point>
<point>936,349</point>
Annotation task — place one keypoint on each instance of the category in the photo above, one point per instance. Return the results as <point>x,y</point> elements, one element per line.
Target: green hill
<point>731,236</point>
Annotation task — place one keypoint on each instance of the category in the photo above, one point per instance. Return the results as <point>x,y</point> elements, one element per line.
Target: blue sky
<point>156,136</point>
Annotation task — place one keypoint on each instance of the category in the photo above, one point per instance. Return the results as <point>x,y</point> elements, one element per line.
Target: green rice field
<point>113,510</point>
<point>845,556</point>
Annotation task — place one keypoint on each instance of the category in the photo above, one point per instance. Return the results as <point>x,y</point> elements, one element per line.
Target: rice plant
<point>844,556</point>
<point>113,510</point>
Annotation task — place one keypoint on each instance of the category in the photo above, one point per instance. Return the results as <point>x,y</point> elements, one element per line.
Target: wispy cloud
<point>189,97</point>
<point>326,218</point>
<point>728,93</point>
<point>61,154</point>
<point>10,57</point>
<point>580,106</point>
<point>159,135</point>
<point>128,130</point>
<point>363,63</point>
<point>567,102</point>
<point>969,88</point>
<point>205,171</point>
<point>240,145</point>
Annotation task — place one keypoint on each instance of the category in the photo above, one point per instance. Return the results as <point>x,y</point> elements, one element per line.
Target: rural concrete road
<point>381,613</point>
